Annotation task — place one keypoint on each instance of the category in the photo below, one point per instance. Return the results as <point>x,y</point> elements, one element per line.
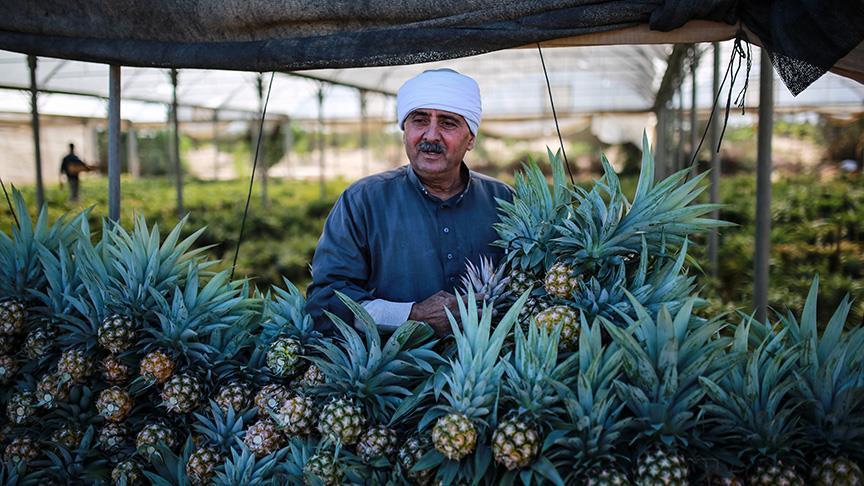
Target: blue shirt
<point>388,238</point>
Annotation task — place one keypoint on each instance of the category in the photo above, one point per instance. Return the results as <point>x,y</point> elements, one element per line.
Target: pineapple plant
<point>38,342</point>
<point>560,281</point>
<point>21,450</point>
<point>12,315</point>
<point>829,388</point>
<point>127,472</point>
<point>663,358</point>
<point>113,437</point>
<point>114,404</point>
<point>202,464</point>
<point>263,437</point>
<point>20,407</point>
<point>564,319</point>
<point>8,369</point>
<point>151,436</point>
<point>377,441</point>
<point>750,408</point>
<point>270,398</point>
<point>297,416</point>
<point>410,453</point>
<point>75,365</point>
<point>115,371</point>
<point>156,366</point>
<point>50,390</point>
<point>235,396</point>
<point>116,333</point>
<point>323,467</point>
<point>488,281</point>
<point>69,435</point>
<point>220,433</point>
<point>341,419</point>
<point>244,467</point>
<point>312,377</point>
<point>182,393</point>
<point>283,355</point>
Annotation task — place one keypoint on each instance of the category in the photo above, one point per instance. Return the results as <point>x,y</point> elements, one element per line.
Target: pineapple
<point>69,435</point>
<point>324,468</point>
<point>522,281</point>
<point>472,380</point>
<point>38,343</point>
<point>829,387</point>
<point>181,393</point>
<point>560,281</point>
<point>21,450</point>
<point>12,315</point>
<point>411,451</point>
<point>341,419</point>
<point>234,396</point>
<point>114,404</point>
<point>20,407</point>
<point>263,437</point>
<point>8,344</point>
<point>377,441</point>
<point>51,389</point>
<point>75,365</point>
<point>151,436</point>
<point>270,398</point>
<point>296,416</point>
<point>664,357</point>
<point>750,408</point>
<point>487,281</point>
<point>563,318</point>
<point>112,437</point>
<point>202,464</point>
<point>515,444</point>
<point>283,356</point>
<point>127,472</point>
<point>117,333</point>
<point>156,366</point>
<point>312,377</point>
<point>115,371</point>
<point>8,369</point>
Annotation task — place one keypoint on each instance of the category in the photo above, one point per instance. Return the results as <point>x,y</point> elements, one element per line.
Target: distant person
<point>72,166</point>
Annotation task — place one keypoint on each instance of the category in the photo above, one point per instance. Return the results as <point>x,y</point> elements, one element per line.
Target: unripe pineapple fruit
<point>202,465</point>
<point>521,281</point>
<point>661,467</point>
<point>75,365</point>
<point>114,404</point>
<point>114,370</point>
<point>21,449</point>
<point>233,396</point>
<point>322,467</point>
<point>127,472</point>
<point>38,343</point>
<point>560,281</point>
<point>566,318</point>
<point>151,436</point>
<point>51,389</point>
<point>156,366</point>
<point>411,451</point>
<point>182,393</point>
<point>69,435</point>
<point>8,344</point>
<point>775,473</point>
<point>263,437</point>
<point>606,477</point>
<point>116,333</point>
<point>312,377</point>
<point>20,407</point>
<point>297,416</point>
<point>112,437</point>
<point>8,369</point>
<point>283,355</point>
<point>12,315</point>
<point>341,419</point>
<point>377,441</point>
<point>270,398</point>
<point>454,436</point>
<point>839,470</point>
<point>515,444</point>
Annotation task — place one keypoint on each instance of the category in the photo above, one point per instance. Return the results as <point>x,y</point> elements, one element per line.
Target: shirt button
<point>452,279</point>
<point>449,256</point>
<point>446,229</point>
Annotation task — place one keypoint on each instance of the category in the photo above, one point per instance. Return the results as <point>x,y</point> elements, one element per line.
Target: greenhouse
<point>678,300</point>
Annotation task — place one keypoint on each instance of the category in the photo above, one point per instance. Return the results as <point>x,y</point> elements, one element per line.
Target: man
<point>72,166</point>
<point>398,241</point>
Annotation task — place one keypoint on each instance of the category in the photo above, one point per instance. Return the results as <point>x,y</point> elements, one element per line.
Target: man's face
<point>436,141</point>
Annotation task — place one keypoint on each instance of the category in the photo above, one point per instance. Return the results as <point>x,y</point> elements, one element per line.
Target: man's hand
<point>431,311</point>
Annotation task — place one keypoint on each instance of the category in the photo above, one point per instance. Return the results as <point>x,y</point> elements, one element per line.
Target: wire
<point>555,116</point>
<point>9,202</point>
<point>252,179</point>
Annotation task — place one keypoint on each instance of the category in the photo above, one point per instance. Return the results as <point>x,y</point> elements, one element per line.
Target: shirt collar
<point>464,173</point>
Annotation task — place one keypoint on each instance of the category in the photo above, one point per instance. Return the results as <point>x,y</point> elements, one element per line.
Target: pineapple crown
<point>600,232</point>
<point>663,359</point>
<point>486,279</point>
<point>70,466</point>
<point>750,407</point>
<point>225,429</point>
<point>528,224</point>
<point>475,372</point>
<point>829,375</point>
<point>244,468</point>
<point>380,377</point>
<point>20,271</point>
<point>284,314</point>
<point>588,439</point>
<point>62,278</point>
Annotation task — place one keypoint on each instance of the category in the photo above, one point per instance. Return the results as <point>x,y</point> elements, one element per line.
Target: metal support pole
<point>321,179</point>
<point>364,133</point>
<point>660,158</point>
<point>262,162</point>
<point>114,143</point>
<point>132,152</point>
<point>763,186</point>
<point>679,122</point>
<point>37,148</point>
<point>694,119</point>
<point>215,145</point>
<point>713,239</point>
<point>175,146</point>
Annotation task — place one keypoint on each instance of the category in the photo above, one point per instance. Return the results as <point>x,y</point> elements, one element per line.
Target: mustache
<point>435,148</point>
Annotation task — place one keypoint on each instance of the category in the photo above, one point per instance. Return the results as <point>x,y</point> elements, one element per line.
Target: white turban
<point>441,89</point>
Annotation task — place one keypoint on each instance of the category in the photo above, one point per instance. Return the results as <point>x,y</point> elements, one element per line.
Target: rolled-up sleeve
<point>340,263</point>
